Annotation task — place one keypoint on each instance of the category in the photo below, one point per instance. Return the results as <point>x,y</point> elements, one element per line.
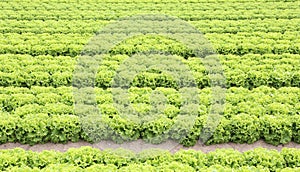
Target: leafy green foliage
<point>249,115</point>
<point>260,51</point>
<point>92,159</point>
<point>276,130</point>
<point>248,71</point>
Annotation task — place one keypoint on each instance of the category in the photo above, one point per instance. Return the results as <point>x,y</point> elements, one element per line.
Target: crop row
<point>173,166</point>
<point>73,44</point>
<point>81,38</point>
<point>259,102</point>
<point>248,71</point>
<point>191,12</point>
<point>248,115</point>
<point>170,166</point>
<point>92,26</point>
<point>92,159</point>
<point>142,5</point>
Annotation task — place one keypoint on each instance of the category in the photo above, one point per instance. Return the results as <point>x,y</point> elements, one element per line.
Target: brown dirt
<point>141,145</point>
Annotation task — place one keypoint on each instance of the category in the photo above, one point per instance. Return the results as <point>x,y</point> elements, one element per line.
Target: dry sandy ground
<point>141,145</point>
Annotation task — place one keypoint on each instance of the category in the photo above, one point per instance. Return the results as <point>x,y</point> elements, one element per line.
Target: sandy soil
<point>141,145</point>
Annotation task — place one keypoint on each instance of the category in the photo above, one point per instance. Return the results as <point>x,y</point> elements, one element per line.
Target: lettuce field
<point>190,72</point>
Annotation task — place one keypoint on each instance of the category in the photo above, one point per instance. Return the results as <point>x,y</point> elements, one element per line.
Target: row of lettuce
<point>248,71</point>
<point>128,5</point>
<point>172,166</point>
<point>72,44</point>
<point>186,11</point>
<point>185,129</point>
<point>258,102</point>
<point>92,159</point>
<point>205,26</point>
